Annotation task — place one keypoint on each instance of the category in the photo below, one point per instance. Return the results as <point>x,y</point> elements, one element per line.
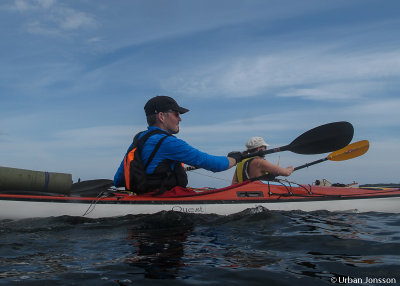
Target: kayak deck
<point>257,190</point>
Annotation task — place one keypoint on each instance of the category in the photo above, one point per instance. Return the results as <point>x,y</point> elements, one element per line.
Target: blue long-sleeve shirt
<point>177,150</point>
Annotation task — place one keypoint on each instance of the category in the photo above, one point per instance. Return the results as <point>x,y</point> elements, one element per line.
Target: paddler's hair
<point>251,151</point>
<point>151,119</point>
<point>254,150</point>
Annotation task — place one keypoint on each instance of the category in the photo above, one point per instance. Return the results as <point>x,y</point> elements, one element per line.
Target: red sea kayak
<point>97,199</point>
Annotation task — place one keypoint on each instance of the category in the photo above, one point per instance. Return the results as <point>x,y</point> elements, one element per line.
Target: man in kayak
<point>162,154</point>
<point>257,166</point>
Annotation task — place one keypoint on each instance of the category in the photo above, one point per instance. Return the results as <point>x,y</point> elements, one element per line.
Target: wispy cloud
<point>339,91</point>
<point>26,5</point>
<point>96,137</point>
<point>316,73</point>
<point>52,18</point>
<point>70,19</point>
<point>381,107</point>
<point>376,114</point>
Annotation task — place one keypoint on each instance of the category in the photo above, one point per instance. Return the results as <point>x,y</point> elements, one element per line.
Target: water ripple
<point>255,247</point>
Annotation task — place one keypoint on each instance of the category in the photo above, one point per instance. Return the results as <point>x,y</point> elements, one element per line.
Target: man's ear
<point>161,117</point>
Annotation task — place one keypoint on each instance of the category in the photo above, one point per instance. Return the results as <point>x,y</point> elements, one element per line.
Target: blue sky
<point>75,75</point>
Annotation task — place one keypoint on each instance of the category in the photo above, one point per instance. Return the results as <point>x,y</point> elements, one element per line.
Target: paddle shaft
<point>349,152</point>
<point>263,153</point>
<point>310,164</point>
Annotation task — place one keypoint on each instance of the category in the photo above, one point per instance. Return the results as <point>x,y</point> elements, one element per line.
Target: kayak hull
<point>29,209</point>
<point>260,194</point>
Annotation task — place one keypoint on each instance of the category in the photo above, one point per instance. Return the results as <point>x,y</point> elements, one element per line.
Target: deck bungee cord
<point>209,176</point>
<point>104,194</point>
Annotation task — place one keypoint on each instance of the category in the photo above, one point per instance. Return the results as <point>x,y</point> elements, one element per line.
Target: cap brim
<point>182,110</point>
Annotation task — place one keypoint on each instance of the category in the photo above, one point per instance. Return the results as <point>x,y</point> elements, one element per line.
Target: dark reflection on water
<point>159,251</point>
<point>255,247</point>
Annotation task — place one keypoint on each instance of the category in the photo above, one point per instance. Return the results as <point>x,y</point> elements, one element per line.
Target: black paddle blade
<point>322,139</point>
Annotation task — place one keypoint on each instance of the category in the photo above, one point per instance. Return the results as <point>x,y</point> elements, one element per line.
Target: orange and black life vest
<point>134,170</point>
<point>163,178</point>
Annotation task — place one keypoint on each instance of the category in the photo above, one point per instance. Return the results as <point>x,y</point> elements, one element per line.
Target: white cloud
<point>381,107</point>
<point>70,19</point>
<point>321,74</point>
<point>97,148</point>
<point>95,40</point>
<point>335,92</point>
<point>376,114</point>
<point>36,27</point>
<point>51,18</point>
<point>26,5</point>
<point>95,137</point>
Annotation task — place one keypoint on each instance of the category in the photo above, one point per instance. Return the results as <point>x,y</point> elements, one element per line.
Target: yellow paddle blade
<point>350,151</point>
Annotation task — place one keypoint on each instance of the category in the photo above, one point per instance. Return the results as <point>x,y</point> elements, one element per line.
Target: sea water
<point>254,247</point>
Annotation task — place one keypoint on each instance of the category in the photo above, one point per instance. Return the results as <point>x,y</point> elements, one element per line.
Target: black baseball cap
<point>162,103</point>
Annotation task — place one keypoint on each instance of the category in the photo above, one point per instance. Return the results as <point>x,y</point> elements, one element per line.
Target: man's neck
<point>159,127</point>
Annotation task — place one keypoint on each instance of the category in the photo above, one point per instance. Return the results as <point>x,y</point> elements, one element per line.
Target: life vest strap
<point>155,150</point>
